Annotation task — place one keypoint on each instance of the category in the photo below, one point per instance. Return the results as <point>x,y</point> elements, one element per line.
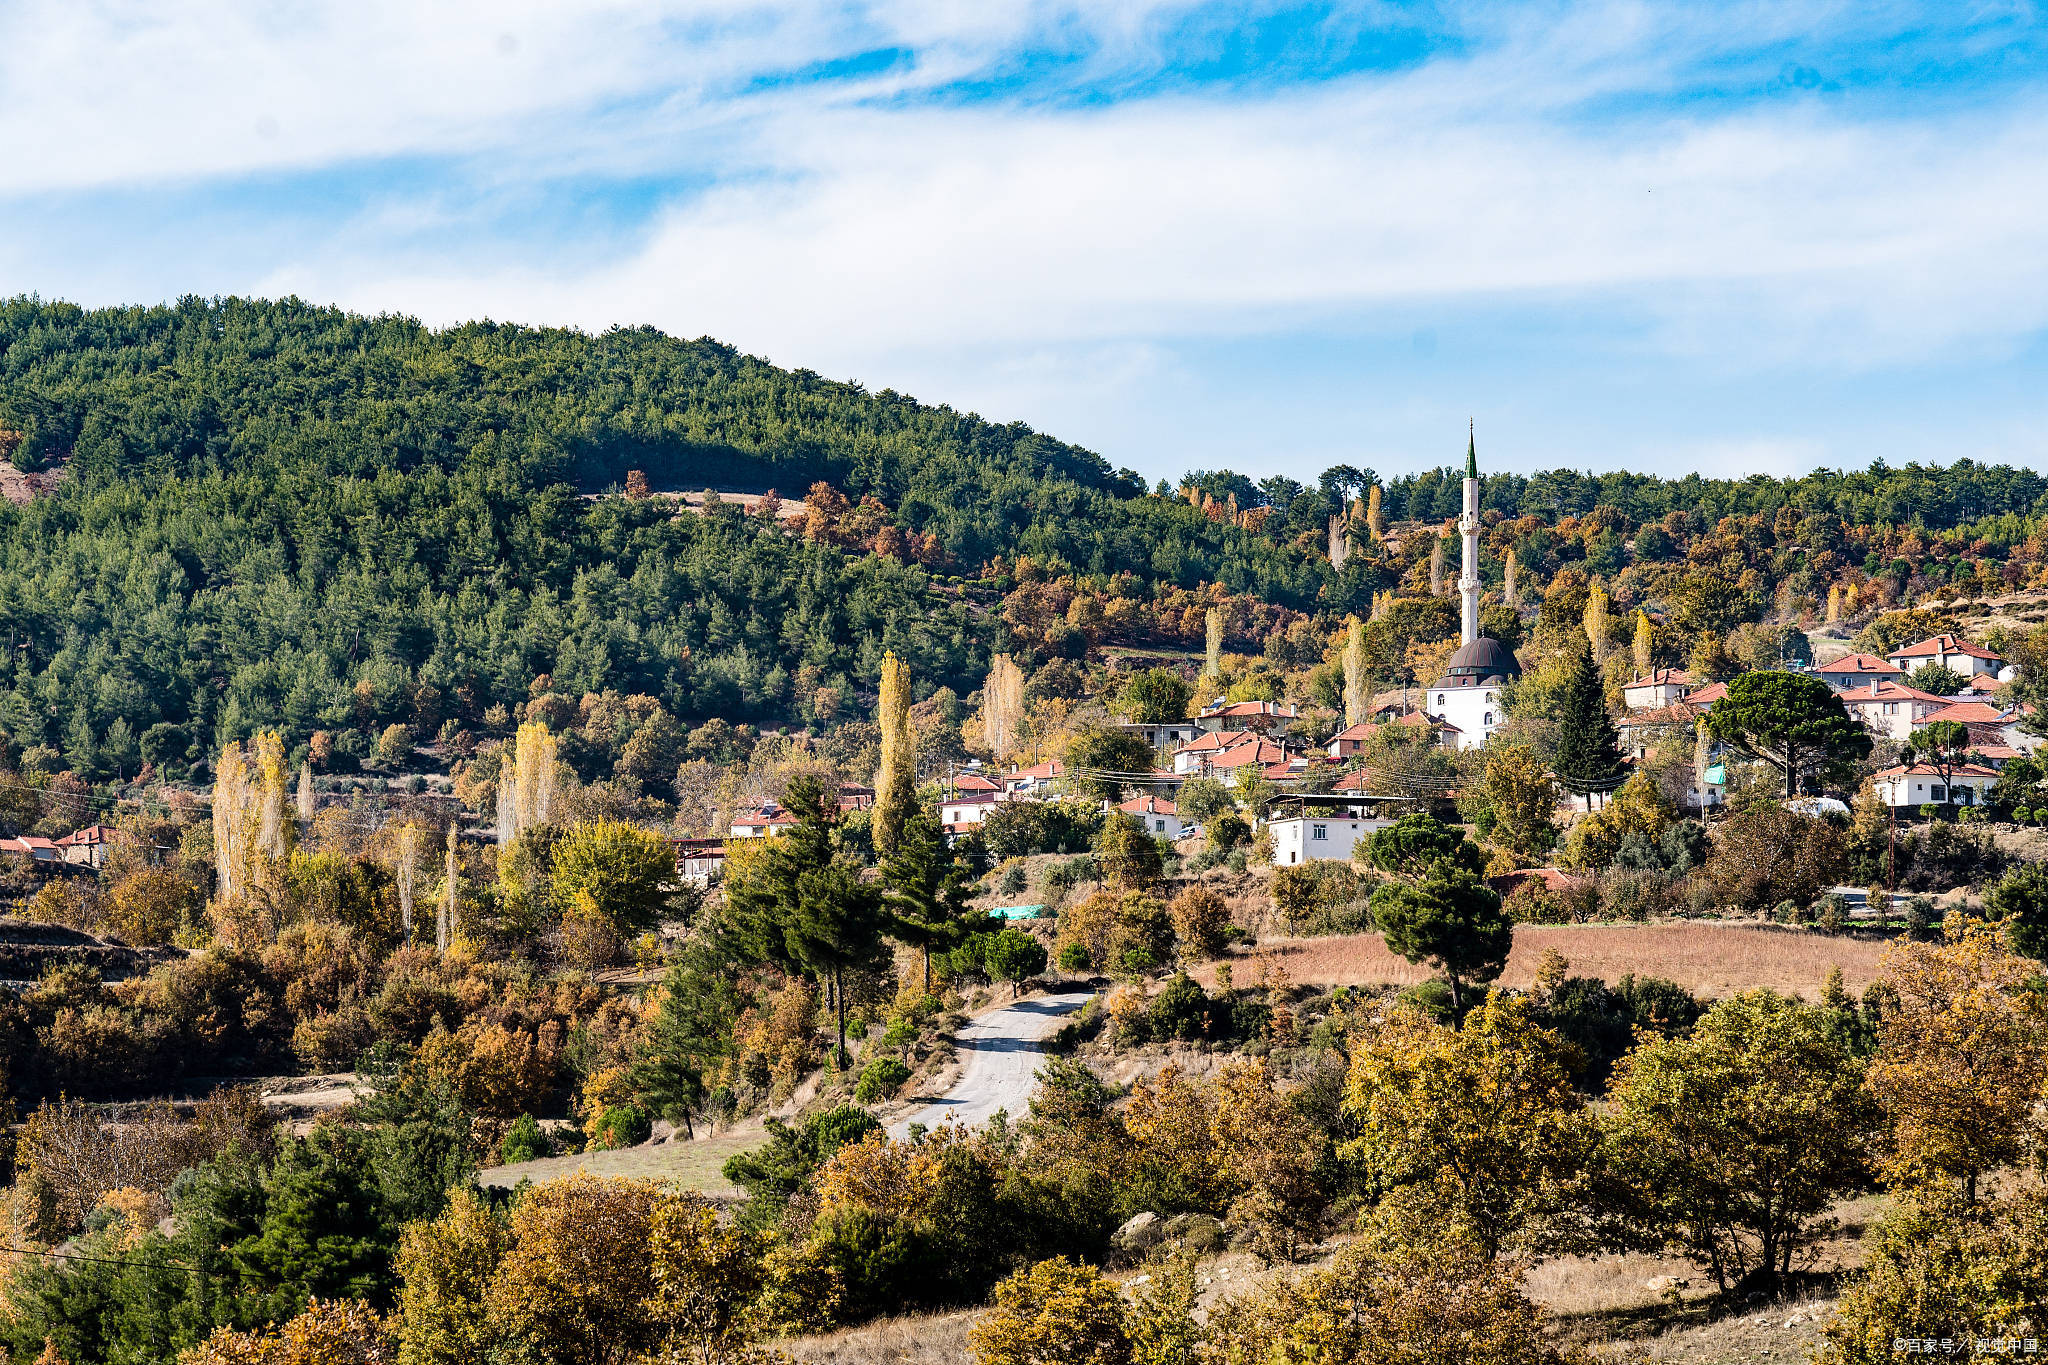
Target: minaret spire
<point>1468,527</point>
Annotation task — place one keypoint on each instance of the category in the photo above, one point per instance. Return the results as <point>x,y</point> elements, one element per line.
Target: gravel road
<point>999,1063</point>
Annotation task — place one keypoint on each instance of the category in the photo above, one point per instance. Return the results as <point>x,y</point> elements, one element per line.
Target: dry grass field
<point>692,1165</point>
<point>1707,959</point>
<point>922,1339</point>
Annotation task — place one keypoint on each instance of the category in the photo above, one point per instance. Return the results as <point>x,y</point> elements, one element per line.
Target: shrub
<point>879,1079</point>
<point>1074,958</point>
<point>523,1141</point>
<point>622,1125</point>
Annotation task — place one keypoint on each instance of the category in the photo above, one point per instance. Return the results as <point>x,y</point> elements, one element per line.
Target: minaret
<point>1468,526</point>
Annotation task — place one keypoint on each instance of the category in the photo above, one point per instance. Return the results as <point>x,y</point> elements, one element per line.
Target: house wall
<point>1295,841</point>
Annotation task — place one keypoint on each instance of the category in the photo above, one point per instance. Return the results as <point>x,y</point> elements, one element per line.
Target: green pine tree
<point>1588,749</point>
<point>928,890</point>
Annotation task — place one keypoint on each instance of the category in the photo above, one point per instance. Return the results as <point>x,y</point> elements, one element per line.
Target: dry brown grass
<point>1707,959</point>
<point>926,1339</point>
<point>690,1165</point>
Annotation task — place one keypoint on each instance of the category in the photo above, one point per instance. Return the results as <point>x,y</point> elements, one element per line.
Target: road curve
<point>999,1055</point>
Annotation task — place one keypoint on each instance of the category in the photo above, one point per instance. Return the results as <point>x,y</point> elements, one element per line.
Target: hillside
<point>278,515</point>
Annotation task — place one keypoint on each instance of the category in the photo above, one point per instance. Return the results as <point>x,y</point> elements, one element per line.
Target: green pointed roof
<point>1471,455</point>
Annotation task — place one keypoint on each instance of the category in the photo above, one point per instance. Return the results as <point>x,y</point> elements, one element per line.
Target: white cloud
<point>1045,256</point>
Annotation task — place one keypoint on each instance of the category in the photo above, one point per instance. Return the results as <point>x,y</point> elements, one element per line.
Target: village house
<point>87,847</point>
<point>1262,716</point>
<point>758,822</point>
<point>1163,736</point>
<point>1036,782</point>
<point>1657,688</point>
<point>1891,709</point>
<point>1950,651</point>
<point>959,814</point>
<point>1309,829</point>
<point>1923,784</point>
<point>1160,816</point>
<point>1857,670</point>
<point>1349,742</point>
<point>699,862</point>
<point>35,846</point>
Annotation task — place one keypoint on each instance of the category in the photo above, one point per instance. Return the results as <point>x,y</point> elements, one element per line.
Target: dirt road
<point>1000,1054</point>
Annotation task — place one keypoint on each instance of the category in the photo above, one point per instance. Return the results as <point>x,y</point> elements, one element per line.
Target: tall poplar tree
<point>896,780</point>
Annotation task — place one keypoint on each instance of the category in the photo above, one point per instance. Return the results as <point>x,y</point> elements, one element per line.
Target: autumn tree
<point>1521,795</point>
<point>1417,1293</point>
<point>1102,761</point>
<point>1482,1115</point>
<point>612,871</point>
<point>1732,1140</point>
<point>708,1274</point>
<point>1126,853</point>
<point>1938,1267</point>
<point>1962,1058</point>
<point>1156,696</point>
<point>896,778</point>
<point>1357,694</point>
<point>1056,1310</point>
<point>444,1268</point>
<point>1002,704</point>
<point>576,1283</point>
<point>1793,721</point>
<point>1201,921</point>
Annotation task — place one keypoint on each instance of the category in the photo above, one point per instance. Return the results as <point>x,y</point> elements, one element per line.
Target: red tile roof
<point>1972,713</point>
<point>1929,770</point>
<point>1706,696</point>
<point>1884,690</point>
<point>1859,663</point>
<point>1945,643</point>
<point>1149,805</point>
<point>1661,677</point>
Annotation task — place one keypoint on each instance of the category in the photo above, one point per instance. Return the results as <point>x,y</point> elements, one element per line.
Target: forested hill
<point>275,514</point>
<point>278,514</point>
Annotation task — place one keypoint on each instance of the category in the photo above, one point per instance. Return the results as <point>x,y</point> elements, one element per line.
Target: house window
<point>1159,825</point>
<point>1319,831</point>
<point>1965,796</point>
<point>1488,720</point>
<point>1939,793</point>
<point>1439,699</point>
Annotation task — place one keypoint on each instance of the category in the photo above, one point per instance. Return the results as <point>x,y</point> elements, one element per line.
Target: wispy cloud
<point>1055,204</point>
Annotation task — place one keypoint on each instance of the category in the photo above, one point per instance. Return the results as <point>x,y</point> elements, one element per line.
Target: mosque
<point>1467,696</point>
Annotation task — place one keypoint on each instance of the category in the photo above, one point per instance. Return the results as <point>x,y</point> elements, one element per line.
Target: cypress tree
<point>1588,757</point>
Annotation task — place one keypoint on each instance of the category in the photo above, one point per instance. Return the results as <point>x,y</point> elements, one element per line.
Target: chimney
<point>1873,687</point>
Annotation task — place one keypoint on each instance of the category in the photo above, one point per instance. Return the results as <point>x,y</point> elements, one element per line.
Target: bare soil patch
<point>1707,959</point>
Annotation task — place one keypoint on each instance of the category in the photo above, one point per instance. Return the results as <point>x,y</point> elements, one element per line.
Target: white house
<point>1038,780</point>
<point>1922,784</point>
<point>1160,816</point>
<point>1658,688</point>
<point>960,813</point>
<point>1311,829</point>
<point>1952,652</point>
<point>1164,735</point>
<point>770,817</point>
<point>699,862</point>
<point>1891,709</point>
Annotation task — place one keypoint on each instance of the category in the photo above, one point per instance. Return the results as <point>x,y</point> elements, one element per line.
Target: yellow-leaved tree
<point>1962,1059</point>
<point>1483,1116</point>
<point>896,778</point>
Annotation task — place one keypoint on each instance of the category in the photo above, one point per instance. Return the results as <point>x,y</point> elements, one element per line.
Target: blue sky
<point>1729,237</point>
